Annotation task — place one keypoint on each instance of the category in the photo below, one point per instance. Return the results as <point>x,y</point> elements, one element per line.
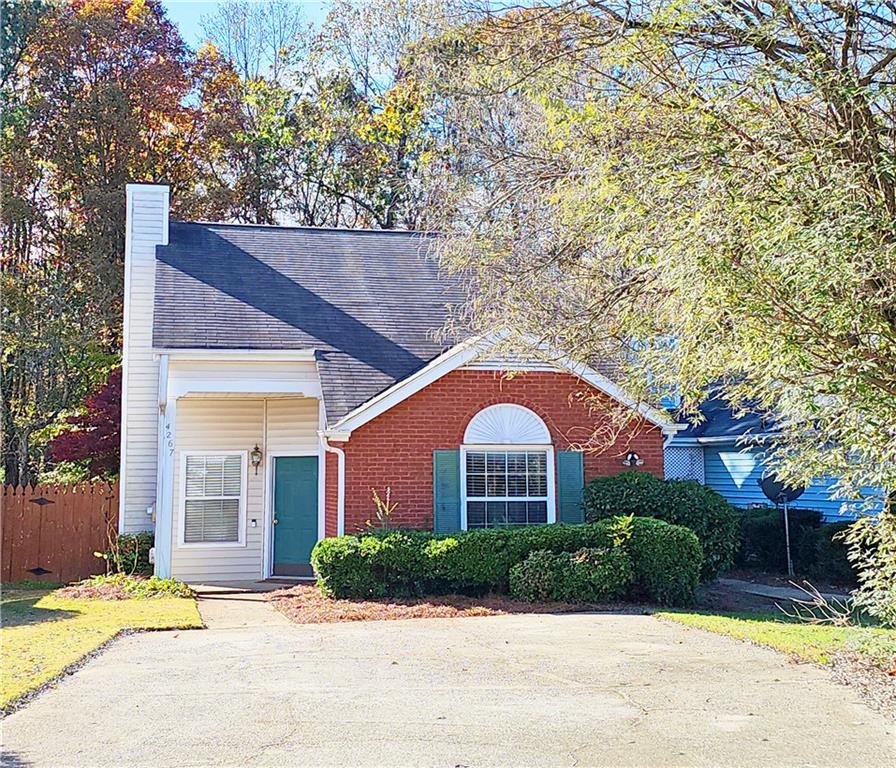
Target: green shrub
<point>681,502</point>
<point>763,544</point>
<point>872,551</point>
<point>405,563</point>
<point>816,548</point>
<point>480,561</point>
<point>822,554</point>
<point>130,554</point>
<point>118,586</point>
<point>667,561</point>
<point>584,576</point>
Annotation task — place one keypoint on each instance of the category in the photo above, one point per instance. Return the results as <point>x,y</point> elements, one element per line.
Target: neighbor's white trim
<point>720,439</point>
<point>504,448</point>
<point>466,352</point>
<point>182,501</point>
<point>340,481</point>
<point>269,479</point>
<point>238,355</point>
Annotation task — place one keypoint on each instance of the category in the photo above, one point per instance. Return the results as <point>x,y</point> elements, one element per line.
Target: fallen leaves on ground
<point>305,604</point>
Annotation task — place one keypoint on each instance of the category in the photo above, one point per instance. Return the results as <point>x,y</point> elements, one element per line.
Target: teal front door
<point>295,514</point>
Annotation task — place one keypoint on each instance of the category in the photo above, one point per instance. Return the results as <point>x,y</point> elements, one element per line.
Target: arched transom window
<point>507,467</point>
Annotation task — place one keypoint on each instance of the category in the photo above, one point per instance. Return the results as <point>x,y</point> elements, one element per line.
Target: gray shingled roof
<point>719,421</point>
<point>369,302</point>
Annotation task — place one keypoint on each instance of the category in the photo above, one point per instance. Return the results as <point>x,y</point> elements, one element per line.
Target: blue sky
<point>188,13</point>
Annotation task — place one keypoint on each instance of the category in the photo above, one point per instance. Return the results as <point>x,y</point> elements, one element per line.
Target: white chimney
<point>146,228</point>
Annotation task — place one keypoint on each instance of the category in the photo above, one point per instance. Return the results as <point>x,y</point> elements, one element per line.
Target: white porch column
<point>165,497</point>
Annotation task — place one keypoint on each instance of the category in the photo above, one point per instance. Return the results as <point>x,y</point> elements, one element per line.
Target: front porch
<point>241,470</point>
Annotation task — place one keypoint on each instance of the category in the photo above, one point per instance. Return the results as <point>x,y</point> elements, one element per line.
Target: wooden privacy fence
<point>50,532</point>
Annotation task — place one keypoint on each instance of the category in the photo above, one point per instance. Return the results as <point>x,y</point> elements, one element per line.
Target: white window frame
<point>182,492</point>
<point>508,448</point>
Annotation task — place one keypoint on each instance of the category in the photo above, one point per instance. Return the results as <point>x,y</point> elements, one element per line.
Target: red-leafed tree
<point>95,435</point>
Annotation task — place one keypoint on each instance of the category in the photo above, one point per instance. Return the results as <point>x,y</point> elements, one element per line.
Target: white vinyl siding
<point>233,425</point>
<point>213,498</point>
<point>147,226</point>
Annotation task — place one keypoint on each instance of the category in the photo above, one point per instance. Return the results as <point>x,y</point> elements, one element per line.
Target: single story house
<point>274,377</point>
<point>725,451</point>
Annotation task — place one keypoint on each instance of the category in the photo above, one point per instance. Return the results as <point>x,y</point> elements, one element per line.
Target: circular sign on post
<point>777,492</point>
<point>781,495</point>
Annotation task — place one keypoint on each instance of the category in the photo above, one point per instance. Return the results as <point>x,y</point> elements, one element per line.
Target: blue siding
<point>735,474</point>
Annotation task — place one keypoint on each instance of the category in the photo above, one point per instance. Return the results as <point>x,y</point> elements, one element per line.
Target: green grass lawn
<point>42,635</point>
<point>809,642</point>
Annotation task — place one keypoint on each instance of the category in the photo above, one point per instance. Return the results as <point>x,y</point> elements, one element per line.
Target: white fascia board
<point>722,439</point>
<point>237,355</point>
<point>462,354</point>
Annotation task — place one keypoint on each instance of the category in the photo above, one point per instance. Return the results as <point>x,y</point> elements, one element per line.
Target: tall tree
<point>327,129</point>
<point>95,98</point>
<point>703,193</point>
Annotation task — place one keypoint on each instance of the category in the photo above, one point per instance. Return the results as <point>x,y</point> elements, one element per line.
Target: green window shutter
<point>446,491</point>
<point>571,483</point>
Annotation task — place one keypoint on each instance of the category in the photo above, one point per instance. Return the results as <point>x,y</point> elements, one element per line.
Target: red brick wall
<point>395,449</point>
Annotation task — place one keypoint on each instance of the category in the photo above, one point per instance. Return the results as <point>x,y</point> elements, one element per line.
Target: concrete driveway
<point>609,690</point>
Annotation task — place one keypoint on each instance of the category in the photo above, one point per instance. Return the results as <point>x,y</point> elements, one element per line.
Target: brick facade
<point>395,449</point>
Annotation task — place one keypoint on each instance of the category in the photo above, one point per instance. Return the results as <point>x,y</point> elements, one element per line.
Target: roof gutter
<point>724,439</point>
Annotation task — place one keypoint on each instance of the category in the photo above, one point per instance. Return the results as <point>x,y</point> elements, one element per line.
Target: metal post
<point>787,540</point>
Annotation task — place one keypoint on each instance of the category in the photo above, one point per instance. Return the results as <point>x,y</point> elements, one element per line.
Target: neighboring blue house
<point>725,453</point>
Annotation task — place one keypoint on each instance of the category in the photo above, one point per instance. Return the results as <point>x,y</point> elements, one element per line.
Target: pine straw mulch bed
<point>87,591</point>
<point>304,604</point>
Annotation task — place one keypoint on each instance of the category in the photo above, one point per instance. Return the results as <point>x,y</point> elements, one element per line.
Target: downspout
<point>340,483</point>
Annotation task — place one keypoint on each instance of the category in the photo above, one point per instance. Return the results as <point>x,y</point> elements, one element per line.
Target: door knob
<point>274,521</point>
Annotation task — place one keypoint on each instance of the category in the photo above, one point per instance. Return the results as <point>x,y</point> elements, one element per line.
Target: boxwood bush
<point>762,536</point>
<point>681,502</point>
<point>406,563</point>
<point>584,576</point>
<point>818,549</point>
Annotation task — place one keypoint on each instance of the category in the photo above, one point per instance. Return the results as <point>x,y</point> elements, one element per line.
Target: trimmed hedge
<point>762,535</point>
<point>817,548</point>
<point>408,563</point>
<point>585,576</point>
<point>681,502</point>
<point>667,560</point>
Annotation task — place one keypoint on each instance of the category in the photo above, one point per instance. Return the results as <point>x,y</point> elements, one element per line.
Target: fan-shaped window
<point>508,469</point>
<point>506,424</point>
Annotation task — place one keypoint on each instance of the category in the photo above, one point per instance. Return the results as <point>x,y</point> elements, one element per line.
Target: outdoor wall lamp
<point>632,460</point>
<point>255,457</point>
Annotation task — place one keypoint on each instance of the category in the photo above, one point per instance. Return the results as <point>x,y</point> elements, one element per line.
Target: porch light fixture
<point>255,457</point>
<point>632,460</point>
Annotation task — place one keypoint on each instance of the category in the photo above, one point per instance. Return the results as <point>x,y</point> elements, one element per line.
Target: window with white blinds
<point>213,495</point>
<point>506,488</point>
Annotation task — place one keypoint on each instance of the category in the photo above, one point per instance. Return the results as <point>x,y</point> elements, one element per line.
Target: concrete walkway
<point>521,690</point>
<point>240,604</point>
<point>776,593</point>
